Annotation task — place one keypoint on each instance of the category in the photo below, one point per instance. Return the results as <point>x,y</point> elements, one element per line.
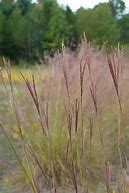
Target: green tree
<point>71,20</point>
<point>123,24</point>
<point>7,6</point>
<point>58,29</point>
<point>34,31</point>
<point>2,22</point>
<point>10,31</point>
<point>26,33</point>
<point>98,24</point>
<point>24,5</point>
<point>117,7</point>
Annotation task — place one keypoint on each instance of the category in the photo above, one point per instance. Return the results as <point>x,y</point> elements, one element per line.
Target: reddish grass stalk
<point>69,116</point>
<point>12,97</point>
<point>114,70</point>
<point>19,159</point>
<point>69,121</point>
<point>114,67</point>
<point>33,94</point>
<point>93,92</point>
<point>90,150</point>
<point>74,176</point>
<point>91,136</point>
<point>82,72</point>
<point>106,175</point>
<point>34,156</point>
<point>87,54</point>
<point>35,180</point>
<point>65,72</point>
<point>76,115</point>
<point>69,144</point>
<point>7,168</point>
<point>67,108</point>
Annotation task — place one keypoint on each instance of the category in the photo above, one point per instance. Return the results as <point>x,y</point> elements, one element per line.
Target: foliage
<point>28,29</point>
<point>58,29</point>
<point>124,29</point>
<point>117,7</point>
<point>95,23</point>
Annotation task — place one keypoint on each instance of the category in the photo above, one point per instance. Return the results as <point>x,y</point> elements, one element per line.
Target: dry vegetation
<point>68,127</point>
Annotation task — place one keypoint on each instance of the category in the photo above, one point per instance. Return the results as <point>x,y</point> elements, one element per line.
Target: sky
<point>75,4</point>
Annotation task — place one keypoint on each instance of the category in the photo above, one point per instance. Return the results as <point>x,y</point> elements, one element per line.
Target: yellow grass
<point>17,78</point>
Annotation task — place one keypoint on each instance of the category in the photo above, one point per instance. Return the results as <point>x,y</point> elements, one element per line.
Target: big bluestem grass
<point>77,136</point>
<point>115,67</point>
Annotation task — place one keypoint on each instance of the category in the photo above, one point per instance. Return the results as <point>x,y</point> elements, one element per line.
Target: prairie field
<point>64,127</point>
<point>64,96</point>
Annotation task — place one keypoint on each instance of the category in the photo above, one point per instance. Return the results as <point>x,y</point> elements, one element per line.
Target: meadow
<point>64,126</point>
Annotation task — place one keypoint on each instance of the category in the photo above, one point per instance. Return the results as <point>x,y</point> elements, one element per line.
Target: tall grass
<point>80,110</point>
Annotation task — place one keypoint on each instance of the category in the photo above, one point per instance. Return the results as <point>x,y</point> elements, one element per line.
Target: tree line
<point>28,29</point>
